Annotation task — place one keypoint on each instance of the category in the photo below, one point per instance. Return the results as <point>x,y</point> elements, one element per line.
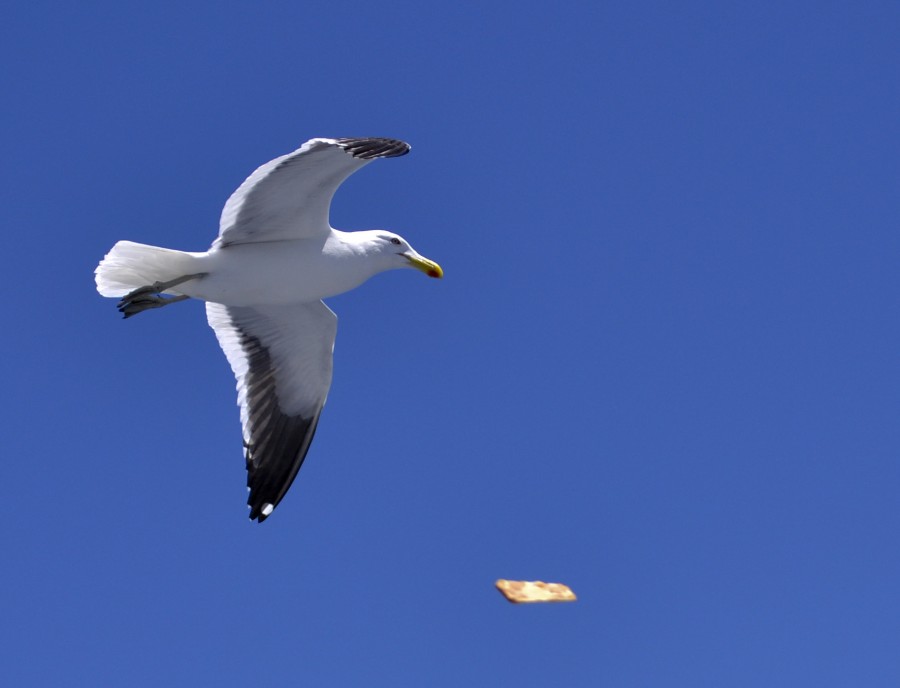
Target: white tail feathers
<point>128,266</point>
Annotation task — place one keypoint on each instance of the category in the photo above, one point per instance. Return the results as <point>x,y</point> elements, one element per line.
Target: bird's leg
<point>145,298</point>
<point>132,305</point>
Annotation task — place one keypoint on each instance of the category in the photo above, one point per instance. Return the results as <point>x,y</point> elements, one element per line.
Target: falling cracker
<point>534,591</point>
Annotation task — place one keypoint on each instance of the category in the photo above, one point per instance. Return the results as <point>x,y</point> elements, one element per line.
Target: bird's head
<point>401,255</point>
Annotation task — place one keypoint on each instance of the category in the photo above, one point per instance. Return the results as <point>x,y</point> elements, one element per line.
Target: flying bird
<point>263,281</point>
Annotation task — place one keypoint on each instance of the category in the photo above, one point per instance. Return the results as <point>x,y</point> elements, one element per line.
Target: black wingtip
<point>256,513</point>
<point>260,510</point>
<point>371,148</point>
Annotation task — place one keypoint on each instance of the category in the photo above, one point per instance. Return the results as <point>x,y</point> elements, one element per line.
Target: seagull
<point>263,281</point>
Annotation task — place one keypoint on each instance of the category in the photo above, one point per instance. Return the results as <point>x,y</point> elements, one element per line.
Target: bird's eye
<point>395,240</point>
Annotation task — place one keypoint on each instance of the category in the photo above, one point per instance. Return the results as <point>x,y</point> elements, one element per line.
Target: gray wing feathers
<point>282,359</point>
<point>290,197</point>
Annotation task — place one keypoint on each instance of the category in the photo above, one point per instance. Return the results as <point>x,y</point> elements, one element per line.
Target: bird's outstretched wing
<point>281,357</point>
<point>289,197</point>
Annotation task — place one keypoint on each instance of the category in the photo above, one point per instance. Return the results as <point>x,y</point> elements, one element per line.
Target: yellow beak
<point>429,267</point>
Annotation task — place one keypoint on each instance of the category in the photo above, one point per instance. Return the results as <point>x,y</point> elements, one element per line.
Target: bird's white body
<point>286,272</point>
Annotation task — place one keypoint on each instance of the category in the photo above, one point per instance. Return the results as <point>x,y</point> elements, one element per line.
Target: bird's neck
<point>363,245</point>
<point>359,249</point>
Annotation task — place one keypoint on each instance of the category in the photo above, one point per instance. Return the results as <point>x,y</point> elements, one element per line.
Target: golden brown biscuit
<point>534,591</point>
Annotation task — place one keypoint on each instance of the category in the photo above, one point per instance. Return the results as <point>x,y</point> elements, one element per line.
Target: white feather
<point>129,265</point>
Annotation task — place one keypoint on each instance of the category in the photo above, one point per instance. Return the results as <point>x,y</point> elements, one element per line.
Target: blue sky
<point>662,367</point>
